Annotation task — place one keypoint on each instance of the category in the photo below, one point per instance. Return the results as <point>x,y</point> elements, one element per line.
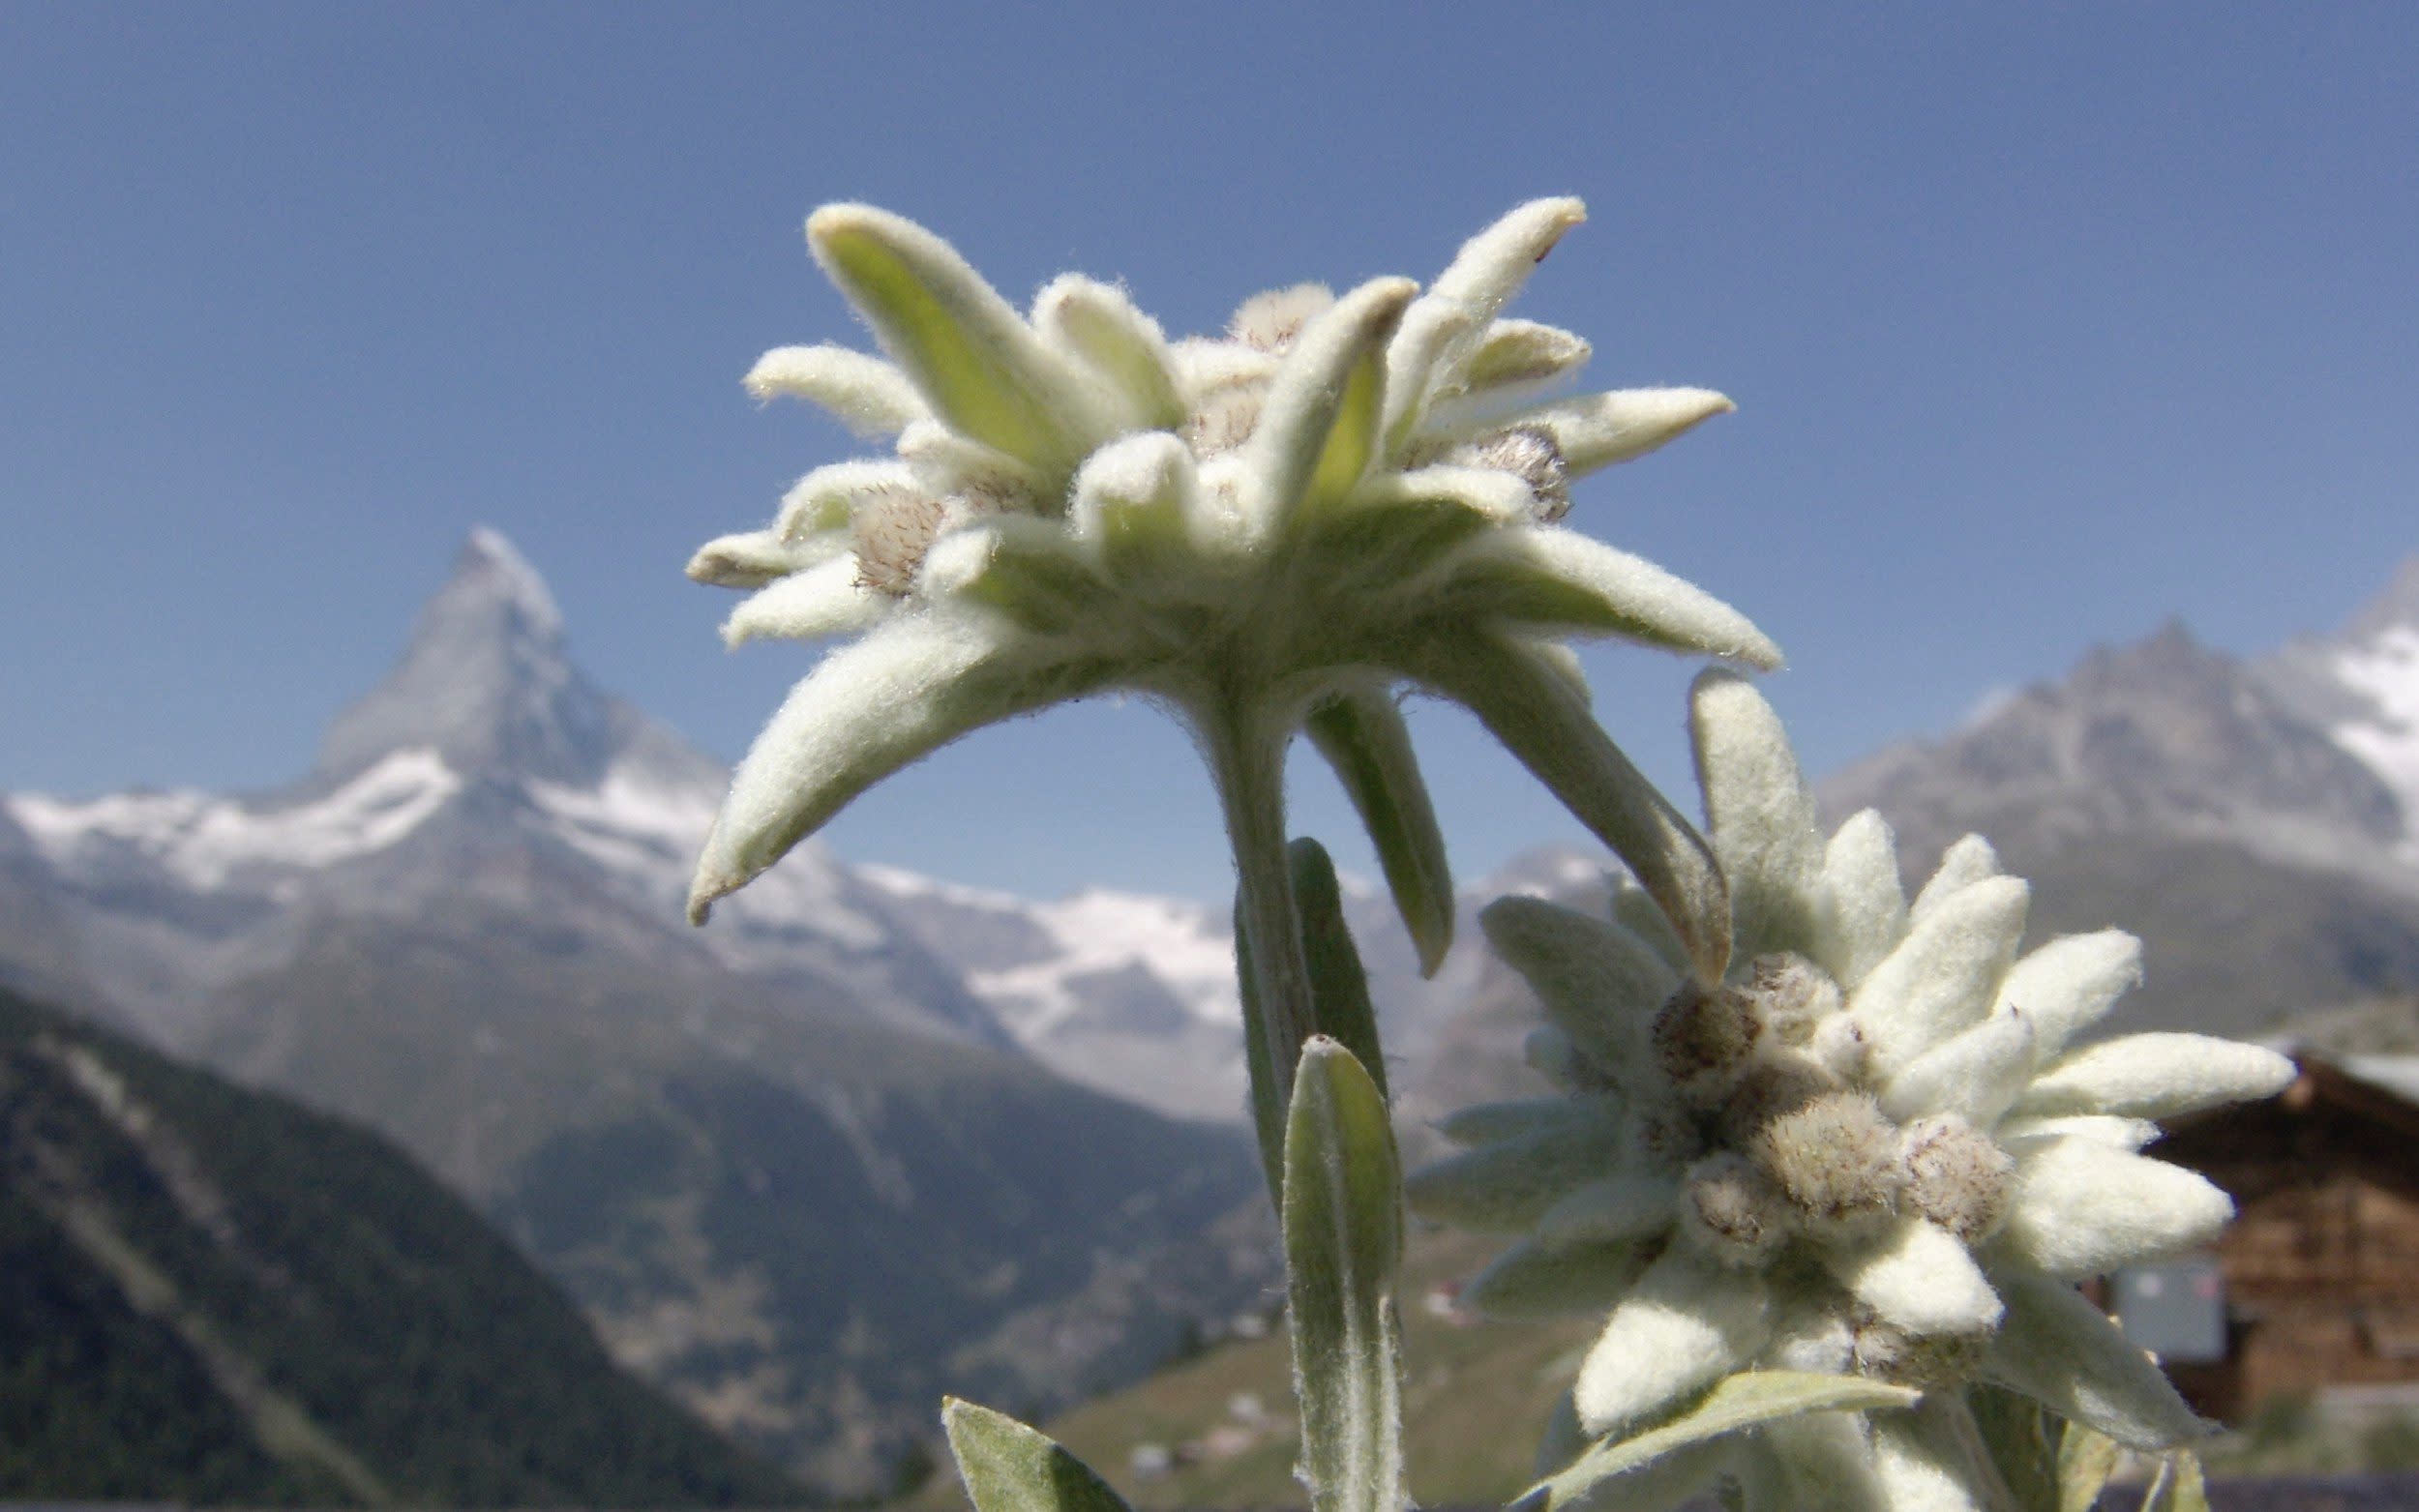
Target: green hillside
<point>1476,1396</point>
<point>212,1296</point>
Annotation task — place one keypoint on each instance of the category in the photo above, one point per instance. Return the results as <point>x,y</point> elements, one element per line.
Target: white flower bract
<point>1870,1143</point>
<point>1267,531</point>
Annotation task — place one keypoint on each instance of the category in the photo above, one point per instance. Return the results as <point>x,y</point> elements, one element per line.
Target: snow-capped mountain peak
<point>485,683</point>
<point>2361,686</point>
<point>203,840</point>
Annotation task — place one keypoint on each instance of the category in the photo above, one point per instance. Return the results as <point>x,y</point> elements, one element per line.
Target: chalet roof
<point>2397,1074</point>
<point>2384,1089</point>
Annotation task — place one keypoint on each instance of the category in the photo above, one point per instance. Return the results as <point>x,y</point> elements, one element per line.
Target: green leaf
<point>1362,736</point>
<point>1340,990</point>
<point>1010,1468</point>
<point>1739,1401</point>
<point>1343,1240</point>
<point>1267,1098</point>
<point>2017,1433</point>
<point>1542,721</point>
<point>973,358</point>
<point>2086,1459</point>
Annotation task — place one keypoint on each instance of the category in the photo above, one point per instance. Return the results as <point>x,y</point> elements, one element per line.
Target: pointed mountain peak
<point>2395,606</point>
<point>488,567</point>
<point>485,683</point>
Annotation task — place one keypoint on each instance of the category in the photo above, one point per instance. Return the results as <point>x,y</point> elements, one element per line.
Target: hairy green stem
<point>1247,762</point>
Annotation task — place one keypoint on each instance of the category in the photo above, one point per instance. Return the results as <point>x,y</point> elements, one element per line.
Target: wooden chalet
<point>2316,1283</point>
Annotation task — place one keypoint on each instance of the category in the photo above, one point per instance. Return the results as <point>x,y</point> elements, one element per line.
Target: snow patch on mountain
<point>204,840</point>
<point>2386,671</point>
<point>1087,936</point>
<point>647,827</point>
<point>1101,932</point>
<point>633,820</point>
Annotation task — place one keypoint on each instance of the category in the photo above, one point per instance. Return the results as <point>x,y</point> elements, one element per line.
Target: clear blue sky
<point>2045,322</point>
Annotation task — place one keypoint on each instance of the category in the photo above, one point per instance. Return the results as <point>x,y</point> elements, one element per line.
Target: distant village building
<point>2314,1290</point>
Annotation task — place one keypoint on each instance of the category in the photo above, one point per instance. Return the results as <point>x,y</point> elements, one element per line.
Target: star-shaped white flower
<point>1871,1148</point>
<point>1264,533</point>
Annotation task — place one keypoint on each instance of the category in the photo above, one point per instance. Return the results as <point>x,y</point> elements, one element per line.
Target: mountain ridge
<point>464,925</point>
<point>208,1291</point>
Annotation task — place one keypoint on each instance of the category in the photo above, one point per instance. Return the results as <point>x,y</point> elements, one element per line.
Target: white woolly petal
<point>866,393</point>
<point>1918,1276</point>
<point>1944,975</point>
<point>1671,1482</point>
<point>1272,319</point>
<point>1637,911</point>
<point>943,461</point>
<point>1202,365</point>
<point>1860,908</point>
<point>1137,509</point>
<point>1418,359</point>
<point>1825,1459</point>
<point>2070,983</point>
<point>1688,1323</point>
<point>2156,1076</point>
<point>873,706</point>
<point>1533,1279</point>
<point>1969,861</point>
<point>1507,1186</point>
<point>1485,1123</point>
<point>821,601</point>
<point>1441,333</point>
<point>1515,356</point>
<point>1977,1073</point>
<point>2065,1354</point>
<point>1550,577</point>
<point>822,502</point>
<point>1600,982</point>
<point>1096,326</point>
<point>753,558</point>
<point>1759,813</point>
<point>2019,1134</point>
<point>1600,430</point>
<point>1318,429</point>
<point>1931,1458</point>
<point>2080,1208</point>
<point>975,360</point>
<point>1492,266</point>
<point>1619,1207</point>
<point>1491,491</point>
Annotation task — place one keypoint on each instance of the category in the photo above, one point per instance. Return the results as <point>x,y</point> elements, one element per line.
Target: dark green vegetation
<point>211,1296</point>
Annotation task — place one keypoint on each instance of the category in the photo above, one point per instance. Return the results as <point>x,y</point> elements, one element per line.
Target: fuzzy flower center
<point>1787,1158</point>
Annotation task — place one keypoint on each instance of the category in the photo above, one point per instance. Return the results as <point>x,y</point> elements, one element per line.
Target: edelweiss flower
<point>1262,532</point>
<point>1868,1149</point>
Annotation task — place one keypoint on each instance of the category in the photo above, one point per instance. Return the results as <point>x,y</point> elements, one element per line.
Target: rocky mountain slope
<point>2254,822</point>
<point>212,1296</point>
<point>792,1166</point>
<point>462,924</point>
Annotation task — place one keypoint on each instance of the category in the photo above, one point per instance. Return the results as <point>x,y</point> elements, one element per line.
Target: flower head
<point>1267,530</point>
<point>1870,1147</point>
